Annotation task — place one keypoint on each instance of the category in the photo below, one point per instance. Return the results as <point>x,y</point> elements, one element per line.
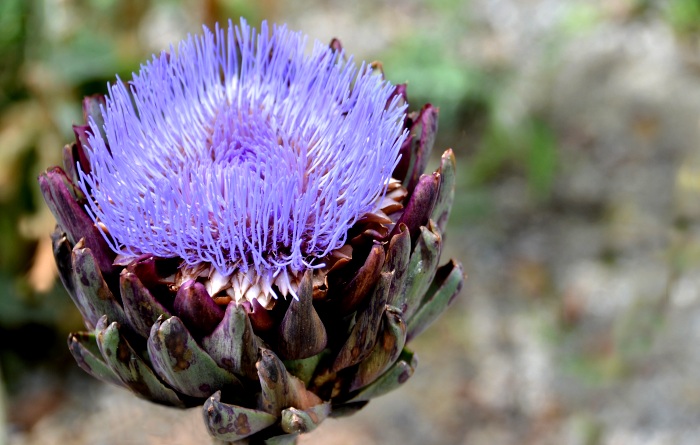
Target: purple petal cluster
<point>242,150</point>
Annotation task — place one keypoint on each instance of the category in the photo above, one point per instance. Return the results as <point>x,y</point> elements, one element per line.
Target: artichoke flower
<point>245,225</point>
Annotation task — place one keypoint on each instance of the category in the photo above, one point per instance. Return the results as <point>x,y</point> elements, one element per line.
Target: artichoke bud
<point>255,234</point>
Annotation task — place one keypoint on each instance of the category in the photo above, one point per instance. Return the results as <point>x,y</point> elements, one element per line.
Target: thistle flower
<point>245,224</point>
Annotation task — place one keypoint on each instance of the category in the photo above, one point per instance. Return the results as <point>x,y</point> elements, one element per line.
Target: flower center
<point>240,138</point>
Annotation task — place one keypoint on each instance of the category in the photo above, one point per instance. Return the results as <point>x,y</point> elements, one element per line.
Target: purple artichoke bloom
<point>245,224</point>
<point>243,153</point>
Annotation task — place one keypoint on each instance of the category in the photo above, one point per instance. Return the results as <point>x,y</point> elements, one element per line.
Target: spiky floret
<point>242,150</point>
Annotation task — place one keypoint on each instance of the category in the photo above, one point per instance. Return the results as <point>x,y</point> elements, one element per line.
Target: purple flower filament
<point>242,150</point>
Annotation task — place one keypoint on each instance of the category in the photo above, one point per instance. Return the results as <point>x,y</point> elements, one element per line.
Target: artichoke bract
<point>245,225</point>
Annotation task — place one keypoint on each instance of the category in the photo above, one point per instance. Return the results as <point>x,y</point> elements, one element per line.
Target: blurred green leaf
<point>581,17</point>
<point>542,159</point>
<point>528,148</point>
<point>14,17</point>
<point>684,15</point>
<point>436,74</point>
<point>495,152</point>
<point>85,57</point>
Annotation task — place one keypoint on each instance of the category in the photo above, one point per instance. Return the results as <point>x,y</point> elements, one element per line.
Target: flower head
<point>233,169</point>
<point>242,151</point>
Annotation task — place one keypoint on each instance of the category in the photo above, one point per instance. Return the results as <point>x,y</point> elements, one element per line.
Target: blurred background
<point>576,126</point>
